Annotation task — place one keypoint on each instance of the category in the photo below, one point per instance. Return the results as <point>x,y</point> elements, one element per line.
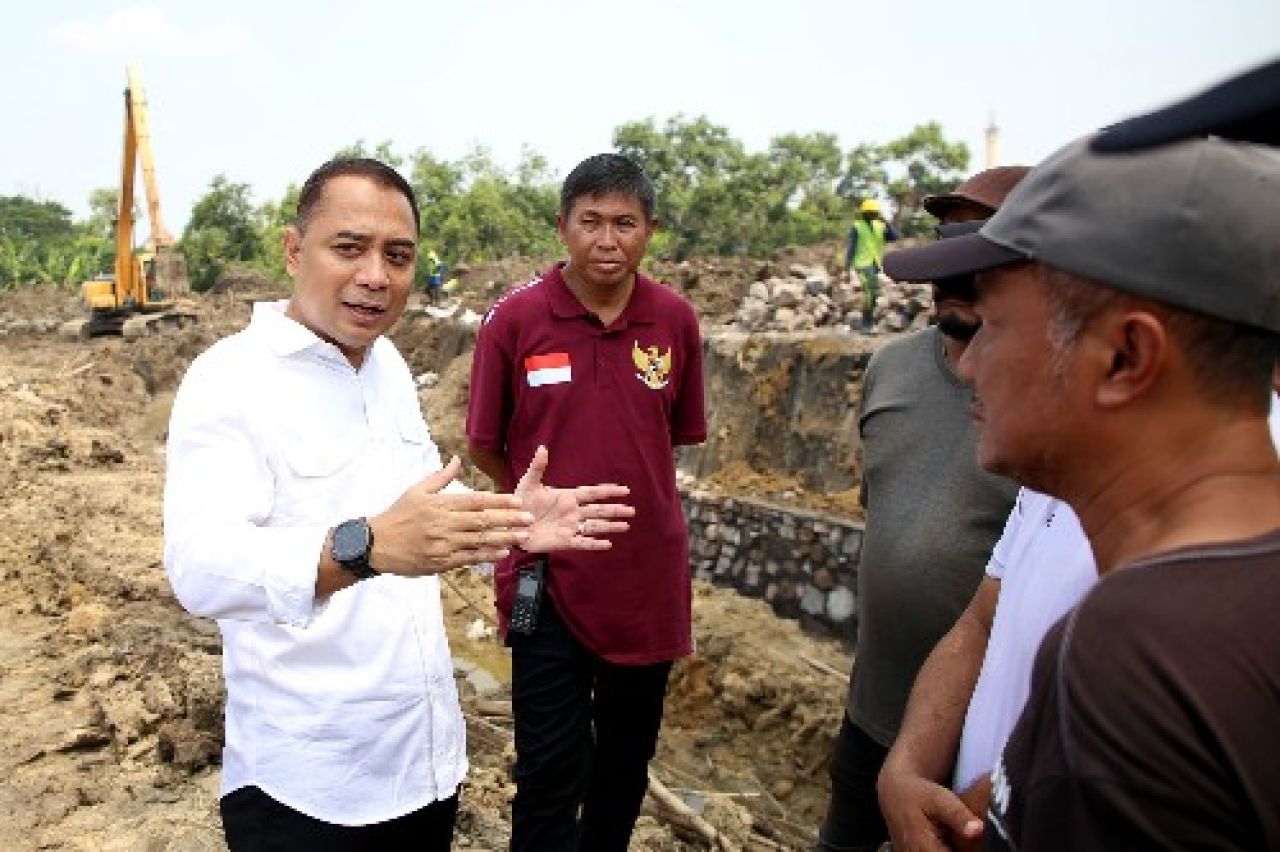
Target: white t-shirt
<point>1044,565</point>
<point>1274,421</point>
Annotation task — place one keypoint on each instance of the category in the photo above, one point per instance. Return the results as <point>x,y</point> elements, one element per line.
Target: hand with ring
<point>560,515</point>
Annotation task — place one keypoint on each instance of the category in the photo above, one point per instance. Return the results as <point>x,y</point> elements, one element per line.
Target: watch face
<point>350,540</point>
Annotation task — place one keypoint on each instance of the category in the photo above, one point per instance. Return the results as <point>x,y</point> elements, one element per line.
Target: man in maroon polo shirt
<point>604,367</point>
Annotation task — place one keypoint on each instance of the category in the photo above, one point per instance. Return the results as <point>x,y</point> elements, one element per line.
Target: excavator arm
<point>138,120</point>
<point>146,281</point>
<point>125,289</point>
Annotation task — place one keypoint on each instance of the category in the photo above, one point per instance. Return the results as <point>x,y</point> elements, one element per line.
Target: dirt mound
<point>241,279</point>
<point>113,693</point>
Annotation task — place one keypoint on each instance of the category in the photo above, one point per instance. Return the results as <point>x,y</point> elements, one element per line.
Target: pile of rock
<point>810,298</point>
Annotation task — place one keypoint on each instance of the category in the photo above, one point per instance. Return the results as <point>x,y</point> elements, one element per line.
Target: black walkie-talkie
<point>524,610</point>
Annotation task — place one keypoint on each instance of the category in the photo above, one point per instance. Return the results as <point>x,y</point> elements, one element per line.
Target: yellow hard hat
<point>869,206</point>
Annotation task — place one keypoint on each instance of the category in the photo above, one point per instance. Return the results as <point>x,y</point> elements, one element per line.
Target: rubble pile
<point>809,298</point>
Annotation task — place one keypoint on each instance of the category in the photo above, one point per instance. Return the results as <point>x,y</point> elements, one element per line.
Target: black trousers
<point>854,822</point>
<point>254,822</point>
<point>586,730</point>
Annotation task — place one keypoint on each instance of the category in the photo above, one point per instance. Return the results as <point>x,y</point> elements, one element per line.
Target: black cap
<point>1245,108</point>
<point>954,254</point>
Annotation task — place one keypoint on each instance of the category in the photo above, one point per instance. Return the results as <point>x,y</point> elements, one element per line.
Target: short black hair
<point>1231,363</point>
<point>606,174</point>
<point>367,167</point>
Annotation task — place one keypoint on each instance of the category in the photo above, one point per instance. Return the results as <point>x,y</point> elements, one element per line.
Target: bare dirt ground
<point>112,694</point>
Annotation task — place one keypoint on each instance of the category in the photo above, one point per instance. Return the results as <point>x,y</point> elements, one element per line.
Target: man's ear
<point>292,249</point>
<point>1139,350</point>
<point>560,226</point>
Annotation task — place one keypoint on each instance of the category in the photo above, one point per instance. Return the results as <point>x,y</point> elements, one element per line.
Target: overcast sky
<point>263,91</point>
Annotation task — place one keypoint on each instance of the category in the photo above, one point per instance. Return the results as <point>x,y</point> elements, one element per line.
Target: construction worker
<point>865,254</point>
<point>435,274</point>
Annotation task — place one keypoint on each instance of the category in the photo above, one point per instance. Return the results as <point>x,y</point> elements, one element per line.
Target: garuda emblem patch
<point>655,369</point>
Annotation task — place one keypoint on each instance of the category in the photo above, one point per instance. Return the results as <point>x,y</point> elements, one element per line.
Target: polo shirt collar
<point>641,307</point>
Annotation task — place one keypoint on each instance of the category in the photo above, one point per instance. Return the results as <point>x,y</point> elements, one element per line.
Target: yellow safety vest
<point>869,250</point>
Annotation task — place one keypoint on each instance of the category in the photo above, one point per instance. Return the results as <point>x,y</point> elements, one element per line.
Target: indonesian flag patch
<point>550,369</point>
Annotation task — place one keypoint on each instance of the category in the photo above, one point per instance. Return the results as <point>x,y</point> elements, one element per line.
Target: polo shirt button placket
<point>603,377</point>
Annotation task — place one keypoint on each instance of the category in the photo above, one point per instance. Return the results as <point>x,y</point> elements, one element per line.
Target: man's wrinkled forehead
<point>613,202</point>
<point>993,280</point>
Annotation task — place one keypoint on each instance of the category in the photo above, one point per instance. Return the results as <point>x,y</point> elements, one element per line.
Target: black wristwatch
<point>352,544</point>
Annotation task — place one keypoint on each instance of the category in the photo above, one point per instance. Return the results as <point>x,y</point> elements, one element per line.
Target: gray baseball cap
<point>1191,224</point>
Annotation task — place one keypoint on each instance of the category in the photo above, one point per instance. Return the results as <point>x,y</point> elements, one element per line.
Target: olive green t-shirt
<point>933,517</point>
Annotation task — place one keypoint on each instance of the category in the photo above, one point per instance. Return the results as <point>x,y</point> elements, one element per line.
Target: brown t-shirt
<point>1154,715</point>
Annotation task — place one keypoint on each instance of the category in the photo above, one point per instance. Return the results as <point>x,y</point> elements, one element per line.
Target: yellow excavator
<point>145,292</point>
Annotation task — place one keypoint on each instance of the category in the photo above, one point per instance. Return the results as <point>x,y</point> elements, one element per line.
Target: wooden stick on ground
<point>678,812</point>
<point>492,707</point>
<point>484,613</point>
<point>823,667</point>
<point>503,734</point>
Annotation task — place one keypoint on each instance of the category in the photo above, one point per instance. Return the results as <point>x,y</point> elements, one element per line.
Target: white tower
<point>993,144</point>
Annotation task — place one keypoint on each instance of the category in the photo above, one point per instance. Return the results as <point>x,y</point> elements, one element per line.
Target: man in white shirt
<point>305,510</point>
<point>973,686</point>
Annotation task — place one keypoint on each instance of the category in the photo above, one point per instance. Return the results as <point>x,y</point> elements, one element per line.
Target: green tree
<point>382,151</point>
<point>103,204</point>
<point>495,215</point>
<point>473,210</point>
<point>922,163</point>
<point>715,197</point>
<point>28,219</point>
<point>805,172</point>
<point>864,173</point>
<point>693,164</point>
<point>40,244</point>
<point>271,220</point>
<point>221,230</point>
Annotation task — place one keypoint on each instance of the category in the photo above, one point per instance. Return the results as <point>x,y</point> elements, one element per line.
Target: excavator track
<point>142,325</point>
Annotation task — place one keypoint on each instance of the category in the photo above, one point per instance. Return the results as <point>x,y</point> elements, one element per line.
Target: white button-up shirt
<point>344,709</point>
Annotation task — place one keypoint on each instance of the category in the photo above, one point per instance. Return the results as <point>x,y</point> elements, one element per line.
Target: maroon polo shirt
<point>609,404</point>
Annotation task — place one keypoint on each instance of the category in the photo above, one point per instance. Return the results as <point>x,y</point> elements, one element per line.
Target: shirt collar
<point>286,336</point>
<point>641,307</point>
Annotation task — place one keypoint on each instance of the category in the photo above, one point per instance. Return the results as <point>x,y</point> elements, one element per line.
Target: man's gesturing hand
<point>426,532</point>
<point>569,518</point>
<point>924,816</point>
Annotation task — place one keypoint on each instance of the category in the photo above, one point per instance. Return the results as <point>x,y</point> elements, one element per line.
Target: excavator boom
<point>139,296</point>
<point>137,107</point>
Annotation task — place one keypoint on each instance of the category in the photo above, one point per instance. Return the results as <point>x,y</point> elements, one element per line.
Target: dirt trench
<point>112,693</point>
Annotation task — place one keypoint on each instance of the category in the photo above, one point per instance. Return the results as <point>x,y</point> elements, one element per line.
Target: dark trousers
<point>586,730</point>
<point>854,822</point>
<point>254,822</point>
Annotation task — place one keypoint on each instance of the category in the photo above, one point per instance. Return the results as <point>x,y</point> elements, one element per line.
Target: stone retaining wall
<point>803,563</point>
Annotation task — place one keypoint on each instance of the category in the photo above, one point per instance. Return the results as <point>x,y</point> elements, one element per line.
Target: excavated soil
<point>112,693</point>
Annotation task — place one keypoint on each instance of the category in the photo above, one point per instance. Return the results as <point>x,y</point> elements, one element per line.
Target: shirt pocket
<point>318,472</point>
<point>414,452</point>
